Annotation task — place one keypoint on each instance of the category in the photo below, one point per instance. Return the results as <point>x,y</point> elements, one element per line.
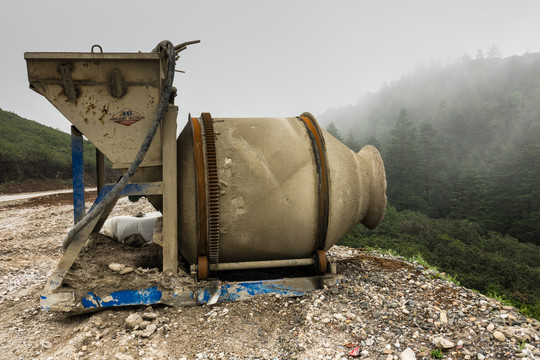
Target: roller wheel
<point>203,268</point>
<point>322,263</point>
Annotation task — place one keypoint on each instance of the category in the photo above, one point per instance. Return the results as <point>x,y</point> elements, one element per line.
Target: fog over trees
<point>461,141</point>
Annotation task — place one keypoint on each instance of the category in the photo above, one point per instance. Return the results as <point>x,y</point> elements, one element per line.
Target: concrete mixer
<point>236,194</point>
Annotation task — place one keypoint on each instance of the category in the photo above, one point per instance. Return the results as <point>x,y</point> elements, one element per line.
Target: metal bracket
<point>67,81</point>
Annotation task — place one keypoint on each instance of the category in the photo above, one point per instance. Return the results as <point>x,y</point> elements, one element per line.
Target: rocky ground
<point>386,309</point>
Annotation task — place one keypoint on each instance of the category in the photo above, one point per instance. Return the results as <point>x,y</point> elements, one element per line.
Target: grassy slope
<point>31,152</point>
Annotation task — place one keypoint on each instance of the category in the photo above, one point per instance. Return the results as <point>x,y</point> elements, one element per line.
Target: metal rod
<point>170,208</point>
<point>100,170</point>
<point>261,264</point>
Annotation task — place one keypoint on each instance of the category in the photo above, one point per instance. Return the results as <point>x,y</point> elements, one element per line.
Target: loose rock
<point>442,343</point>
<point>150,316</point>
<point>116,267</point>
<point>499,336</point>
<point>133,320</point>
<point>150,329</point>
<point>408,354</point>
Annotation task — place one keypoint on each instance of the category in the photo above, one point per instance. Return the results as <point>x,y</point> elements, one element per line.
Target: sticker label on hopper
<point>127,117</point>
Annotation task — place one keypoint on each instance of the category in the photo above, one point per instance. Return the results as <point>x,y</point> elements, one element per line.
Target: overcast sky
<point>263,58</point>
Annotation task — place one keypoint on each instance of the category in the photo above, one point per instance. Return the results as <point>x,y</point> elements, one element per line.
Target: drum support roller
<point>319,261</point>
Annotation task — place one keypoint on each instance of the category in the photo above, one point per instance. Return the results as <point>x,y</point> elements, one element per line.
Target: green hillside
<point>31,151</point>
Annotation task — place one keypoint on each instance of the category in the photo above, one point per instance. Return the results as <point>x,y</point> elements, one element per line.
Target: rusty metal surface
<point>203,268</point>
<point>213,188</point>
<point>200,175</point>
<point>322,261</point>
<point>263,264</point>
<point>319,150</point>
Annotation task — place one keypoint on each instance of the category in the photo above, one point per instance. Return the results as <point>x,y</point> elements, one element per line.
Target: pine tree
<point>513,205</point>
<point>468,199</point>
<point>528,226</point>
<point>431,172</point>
<point>334,131</point>
<point>352,142</point>
<point>479,54</point>
<point>372,140</point>
<point>402,165</point>
<point>493,52</point>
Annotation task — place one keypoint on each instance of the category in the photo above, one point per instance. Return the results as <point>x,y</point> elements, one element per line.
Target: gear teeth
<point>213,188</point>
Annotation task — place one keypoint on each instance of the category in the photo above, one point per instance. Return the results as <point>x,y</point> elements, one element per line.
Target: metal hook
<point>98,46</point>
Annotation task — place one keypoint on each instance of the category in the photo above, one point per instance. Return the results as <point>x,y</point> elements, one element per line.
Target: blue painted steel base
<point>208,292</point>
<point>245,290</point>
<point>123,298</point>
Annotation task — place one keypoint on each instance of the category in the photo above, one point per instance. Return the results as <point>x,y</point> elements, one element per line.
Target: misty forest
<point>461,146</point>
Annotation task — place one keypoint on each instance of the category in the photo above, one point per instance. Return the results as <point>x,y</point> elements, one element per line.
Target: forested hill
<point>31,151</point>
<point>460,141</point>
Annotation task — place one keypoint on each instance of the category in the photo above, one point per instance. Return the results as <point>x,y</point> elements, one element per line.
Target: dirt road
<point>11,199</point>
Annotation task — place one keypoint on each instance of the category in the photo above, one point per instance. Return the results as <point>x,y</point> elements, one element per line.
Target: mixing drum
<point>271,189</point>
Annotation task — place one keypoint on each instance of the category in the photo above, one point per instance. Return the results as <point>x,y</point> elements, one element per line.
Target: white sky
<point>262,58</point>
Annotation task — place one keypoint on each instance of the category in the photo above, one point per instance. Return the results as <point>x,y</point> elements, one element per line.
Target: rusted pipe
<point>262,264</point>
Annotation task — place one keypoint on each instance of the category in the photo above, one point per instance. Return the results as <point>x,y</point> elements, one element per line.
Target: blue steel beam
<point>122,298</point>
<point>77,170</point>
<point>150,188</point>
<point>245,290</point>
